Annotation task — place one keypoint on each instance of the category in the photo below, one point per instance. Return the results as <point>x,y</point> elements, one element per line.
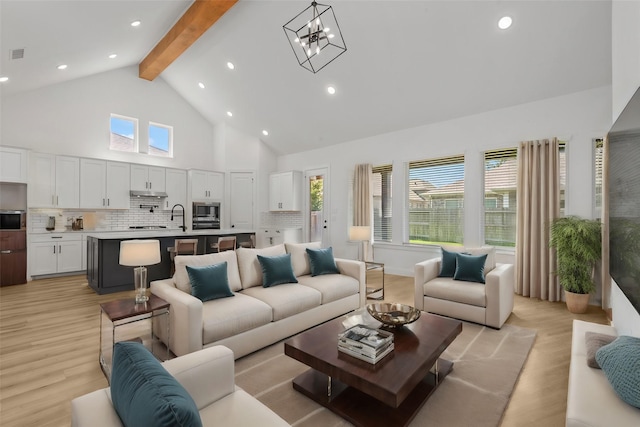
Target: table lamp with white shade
<point>139,254</point>
<point>360,233</point>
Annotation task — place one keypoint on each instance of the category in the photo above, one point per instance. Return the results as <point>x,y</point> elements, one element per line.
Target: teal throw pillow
<point>620,362</point>
<point>470,268</point>
<point>448,264</point>
<point>276,270</point>
<point>144,394</point>
<point>209,282</point>
<point>322,262</point>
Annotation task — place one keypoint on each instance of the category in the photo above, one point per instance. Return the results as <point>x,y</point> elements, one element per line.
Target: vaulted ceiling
<point>408,63</point>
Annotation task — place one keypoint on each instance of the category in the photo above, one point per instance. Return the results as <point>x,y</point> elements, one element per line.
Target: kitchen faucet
<point>184,227</point>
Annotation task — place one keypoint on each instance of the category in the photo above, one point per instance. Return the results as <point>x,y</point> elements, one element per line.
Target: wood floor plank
<point>49,341</point>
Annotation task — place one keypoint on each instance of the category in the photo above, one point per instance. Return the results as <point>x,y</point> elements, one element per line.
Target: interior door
<point>317,206</point>
<point>241,199</point>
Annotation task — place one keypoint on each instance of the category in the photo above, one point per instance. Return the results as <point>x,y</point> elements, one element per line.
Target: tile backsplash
<point>281,219</point>
<point>107,220</point>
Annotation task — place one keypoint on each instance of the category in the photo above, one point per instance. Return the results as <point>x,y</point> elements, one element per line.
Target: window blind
<point>382,212</point>
<point>436,200</point>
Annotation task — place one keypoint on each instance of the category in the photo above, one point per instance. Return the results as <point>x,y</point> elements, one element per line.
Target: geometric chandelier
<point>315,37</point>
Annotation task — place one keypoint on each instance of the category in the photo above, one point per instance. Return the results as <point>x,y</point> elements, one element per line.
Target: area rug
<point>487,363</point>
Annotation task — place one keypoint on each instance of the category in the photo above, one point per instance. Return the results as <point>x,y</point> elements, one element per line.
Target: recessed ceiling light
<point>331,90</point>
<point>229,113</point>
<point>265,133</point>
<point>505,22</point>
<point>136,23</point>
<point>4,79</point>
<point>201,85</point>
<point>62,67</point>
<point>230,65</point>
<point>112,56</point>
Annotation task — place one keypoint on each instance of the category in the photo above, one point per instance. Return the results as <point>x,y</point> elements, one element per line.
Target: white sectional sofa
<point>488,303</point>
<point>591,401</point>
<point>208,377</point>
<point>256,316</point>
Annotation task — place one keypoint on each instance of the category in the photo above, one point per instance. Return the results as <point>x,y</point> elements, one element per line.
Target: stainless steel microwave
<point>13,220</point>
<point>206,215</point>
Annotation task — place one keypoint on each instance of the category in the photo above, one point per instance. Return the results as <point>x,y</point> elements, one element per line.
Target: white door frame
<point>326,204</point>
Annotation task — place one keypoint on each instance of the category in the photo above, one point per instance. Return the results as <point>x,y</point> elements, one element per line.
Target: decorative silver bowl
<point>393,314</point>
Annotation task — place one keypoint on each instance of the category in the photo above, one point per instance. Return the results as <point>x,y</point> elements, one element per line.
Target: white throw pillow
<point>181,277</point>
<point>299,256</point>
<point>249,266</point>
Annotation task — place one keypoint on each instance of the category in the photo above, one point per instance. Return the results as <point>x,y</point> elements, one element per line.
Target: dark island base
<point>359,408</point>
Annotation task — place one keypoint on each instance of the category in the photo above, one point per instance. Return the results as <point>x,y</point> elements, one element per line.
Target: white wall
<point>625,62</point>
<point>72,118</point>
<point>576,118</point>
<point>625,52</point>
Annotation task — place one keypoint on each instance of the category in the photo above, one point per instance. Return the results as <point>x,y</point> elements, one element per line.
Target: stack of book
<point>365,343</point>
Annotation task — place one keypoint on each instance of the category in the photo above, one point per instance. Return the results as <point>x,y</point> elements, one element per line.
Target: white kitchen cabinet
<point>206,185</point>
<point>54,181</point>
<point>55,253</point>
<point>13,165</point>
<point>277,235</point>
<point>176,188</point>
<point>285,191</point>
<point>104,185</point>
<point>148,178</point>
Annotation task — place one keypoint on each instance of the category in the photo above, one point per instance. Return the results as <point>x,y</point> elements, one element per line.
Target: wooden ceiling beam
<point>201,15</point>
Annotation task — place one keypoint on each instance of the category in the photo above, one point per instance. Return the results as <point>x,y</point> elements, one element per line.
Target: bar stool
<point>182,247</point>
<point>251,243</point>
<point>224,243</point>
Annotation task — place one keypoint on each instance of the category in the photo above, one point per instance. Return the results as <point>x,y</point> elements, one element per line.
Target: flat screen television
<point>624,201</point>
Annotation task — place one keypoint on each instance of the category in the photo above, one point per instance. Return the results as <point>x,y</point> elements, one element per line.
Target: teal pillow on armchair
<point>144,394</point>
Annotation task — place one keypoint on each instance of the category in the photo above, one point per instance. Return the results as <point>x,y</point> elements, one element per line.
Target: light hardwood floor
<point>49,339</point>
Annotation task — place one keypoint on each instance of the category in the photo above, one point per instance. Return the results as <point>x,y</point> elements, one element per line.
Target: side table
<point>372,265</point>
<point>116,314</point>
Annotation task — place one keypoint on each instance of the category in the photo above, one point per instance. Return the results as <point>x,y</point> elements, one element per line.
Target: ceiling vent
<point>16,54</point>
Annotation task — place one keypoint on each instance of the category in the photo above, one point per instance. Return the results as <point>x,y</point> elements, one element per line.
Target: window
<point>123,133</point>
<point>382,203</point>
<point>563,174</point>
<point>500,184</point>
<point>597,185</point>
<point>436,195</point>
<point>160,140</point>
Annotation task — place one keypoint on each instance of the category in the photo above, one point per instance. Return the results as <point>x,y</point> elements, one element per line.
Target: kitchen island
<point>104,272</point>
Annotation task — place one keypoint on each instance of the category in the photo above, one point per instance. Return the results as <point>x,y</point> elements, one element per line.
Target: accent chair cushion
<point>593,341</point>
<point>470,268</point>
<point>322,261</point>
<point>145,394</point>
<point>209,282</point>
<point>299,256</point>
<point>276,270</point>
<point>620,362</point>
<point>448,264</point>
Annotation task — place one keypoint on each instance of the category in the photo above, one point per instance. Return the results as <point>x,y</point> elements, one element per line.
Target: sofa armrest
<point>500,287</point>
<point>185,317</point>
<point>207,375</point>
<point>357,270</point>
<point>423,272</point>
<point>94,410</point>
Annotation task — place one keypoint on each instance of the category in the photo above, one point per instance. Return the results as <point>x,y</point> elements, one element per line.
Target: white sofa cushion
<point>240,409</point>
<point>332,286</point>
<point>446,288</point>
<point>286,299</point>
<point>181,277</point>
<point>249,266</point>
<point>299,256</point>
<point>226,317</point>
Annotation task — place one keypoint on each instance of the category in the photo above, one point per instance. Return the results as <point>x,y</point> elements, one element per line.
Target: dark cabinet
<point>13,257</point>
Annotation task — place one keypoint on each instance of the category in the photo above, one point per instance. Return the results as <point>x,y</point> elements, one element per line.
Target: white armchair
<point>208,376</point>
<point>488,303</point>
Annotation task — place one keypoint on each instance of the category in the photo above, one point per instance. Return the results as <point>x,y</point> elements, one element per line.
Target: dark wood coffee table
<point>389,393</point>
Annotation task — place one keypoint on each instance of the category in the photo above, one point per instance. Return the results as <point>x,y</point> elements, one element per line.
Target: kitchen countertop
<point>177,232</point>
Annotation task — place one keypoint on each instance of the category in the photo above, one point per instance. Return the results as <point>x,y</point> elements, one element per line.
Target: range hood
<point>148,193</point>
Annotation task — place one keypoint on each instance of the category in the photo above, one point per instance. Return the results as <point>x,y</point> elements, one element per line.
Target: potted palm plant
<point>578,242</point>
